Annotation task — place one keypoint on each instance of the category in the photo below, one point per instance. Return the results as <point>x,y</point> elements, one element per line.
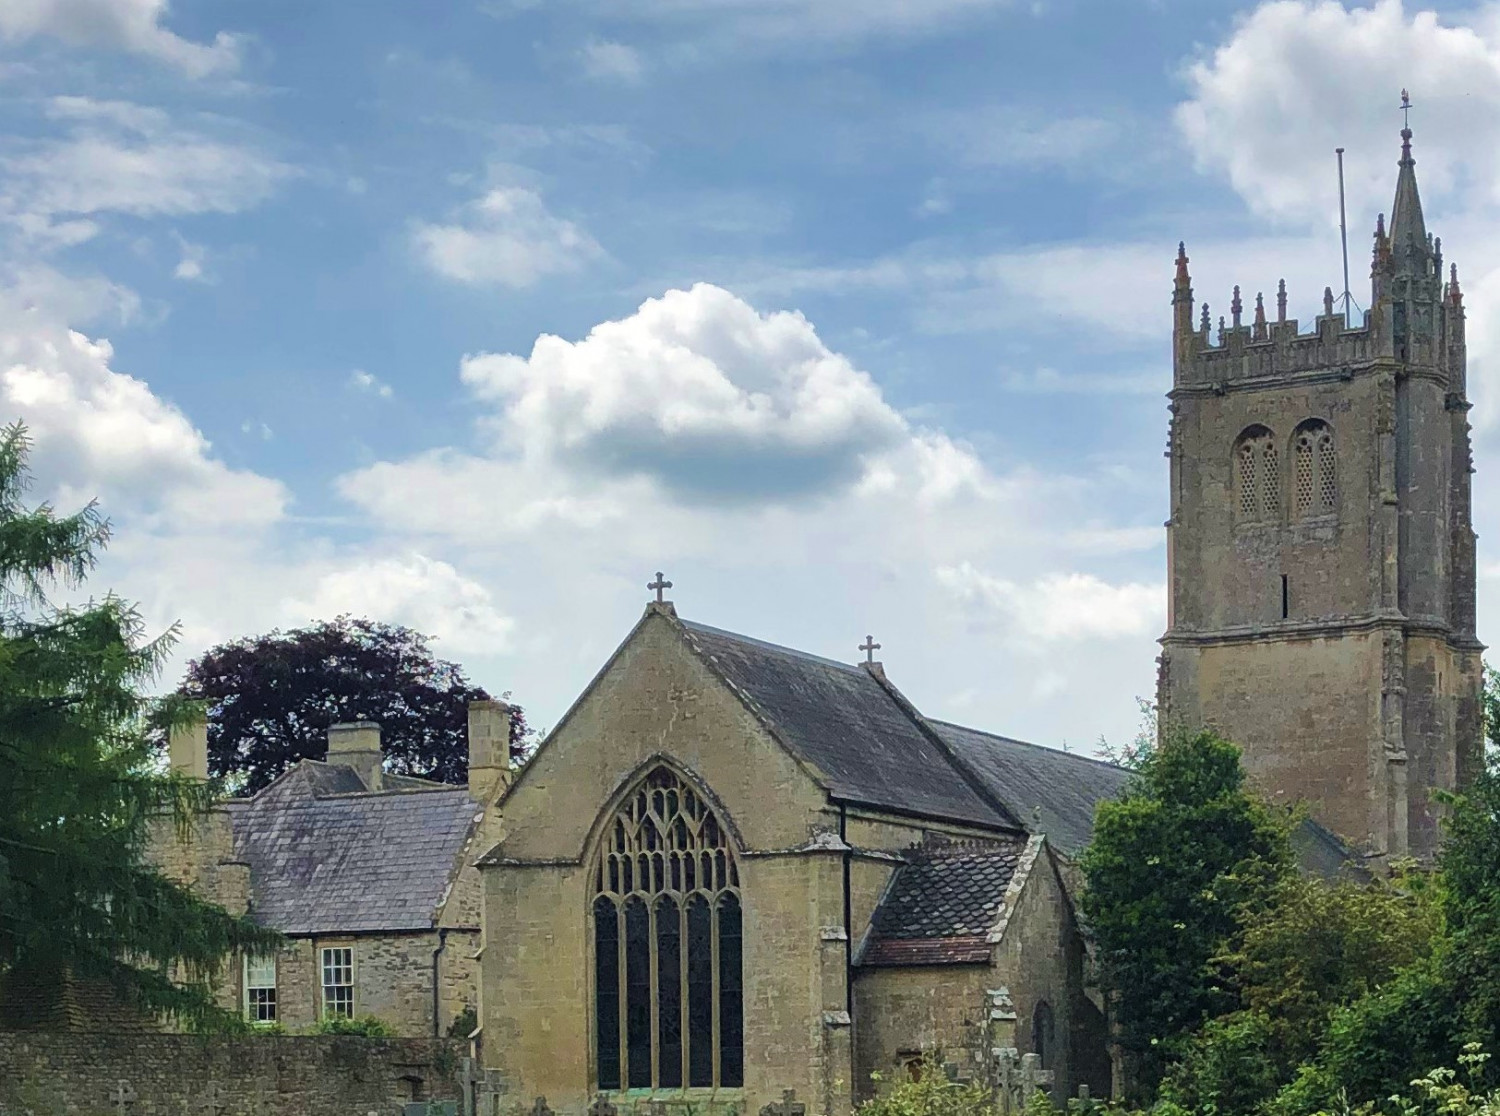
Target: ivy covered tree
<point>272,698</point>
<point>79,788</point>
<point>1172,871</point>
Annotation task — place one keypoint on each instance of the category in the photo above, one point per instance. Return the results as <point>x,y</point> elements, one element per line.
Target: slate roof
<point>326,856</point>
<point>1050,791</point>
<point>864,743</point>
<point>942,904</point>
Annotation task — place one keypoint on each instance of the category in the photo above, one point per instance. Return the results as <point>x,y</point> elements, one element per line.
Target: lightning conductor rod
<point>1344,238</point>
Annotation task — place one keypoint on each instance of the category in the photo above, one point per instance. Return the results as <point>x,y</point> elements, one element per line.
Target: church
<point>740,878</point>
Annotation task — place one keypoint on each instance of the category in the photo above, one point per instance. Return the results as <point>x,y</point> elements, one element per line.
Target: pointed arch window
<point>1257,476</point>
<point>1315,485</point>
<point>668,959</point>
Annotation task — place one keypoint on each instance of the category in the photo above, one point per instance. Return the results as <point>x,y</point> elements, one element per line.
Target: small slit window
<point>1315,488</point>
<point>1257,477</point>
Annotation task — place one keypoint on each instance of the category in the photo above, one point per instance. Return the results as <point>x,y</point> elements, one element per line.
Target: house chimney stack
<point>489,750</point>
<point>357,745</point>
<point>187,747</point>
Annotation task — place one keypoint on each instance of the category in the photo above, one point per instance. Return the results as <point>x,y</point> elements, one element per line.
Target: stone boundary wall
<point>193,1075</point>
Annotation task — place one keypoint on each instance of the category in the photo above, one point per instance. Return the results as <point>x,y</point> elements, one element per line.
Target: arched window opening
<point>1257,476</point>
<point>1043,1041</point>
<point>1315,488</point>
<point>668,945</point>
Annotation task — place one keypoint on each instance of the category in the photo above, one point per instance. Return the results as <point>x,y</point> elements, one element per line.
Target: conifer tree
<point>79,786</point>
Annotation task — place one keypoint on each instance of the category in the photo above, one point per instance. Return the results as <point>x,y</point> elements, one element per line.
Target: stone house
<point>369,875</point>
<point>736,870</point>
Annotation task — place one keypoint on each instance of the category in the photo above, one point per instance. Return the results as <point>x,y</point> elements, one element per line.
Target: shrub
<point>366,1025</point>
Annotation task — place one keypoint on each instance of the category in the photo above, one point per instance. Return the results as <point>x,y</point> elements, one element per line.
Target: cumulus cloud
<point>1298,78</point>
<point>608,61</point>
<point>1060,606</point>
<point>412,589</point>
<point>134,26</point>
<point>119,157</point>
<point>100,432</point>
<point>507,237</point>
<point>698,390</point>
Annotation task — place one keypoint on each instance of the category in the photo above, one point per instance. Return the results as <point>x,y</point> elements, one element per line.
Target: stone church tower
<point>1320,551</point>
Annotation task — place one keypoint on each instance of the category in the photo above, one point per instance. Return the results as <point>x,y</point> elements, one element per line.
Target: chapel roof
<point>1051,791</point>
<point>328,856</point>
<point>942,905</point>
<point>867,746</point>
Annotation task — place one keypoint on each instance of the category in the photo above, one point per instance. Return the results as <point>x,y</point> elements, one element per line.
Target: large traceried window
<point>1315,485</point>
<point>668,997</point>
<point>1257,478</point>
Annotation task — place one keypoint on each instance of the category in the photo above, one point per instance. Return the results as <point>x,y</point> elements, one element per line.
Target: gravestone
<point>789,1105</point>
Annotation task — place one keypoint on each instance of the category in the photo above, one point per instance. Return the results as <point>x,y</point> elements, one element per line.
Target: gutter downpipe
<point>848,928</point>
<point>437,1018</point>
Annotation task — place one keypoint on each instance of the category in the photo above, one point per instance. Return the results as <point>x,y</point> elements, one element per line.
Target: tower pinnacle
<point>1408,235</point>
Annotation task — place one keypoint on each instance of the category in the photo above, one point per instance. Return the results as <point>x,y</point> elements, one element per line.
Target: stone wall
<point>154,1075</point>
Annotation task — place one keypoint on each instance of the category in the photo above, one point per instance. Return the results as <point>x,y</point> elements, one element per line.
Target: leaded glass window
<point>668,953</point>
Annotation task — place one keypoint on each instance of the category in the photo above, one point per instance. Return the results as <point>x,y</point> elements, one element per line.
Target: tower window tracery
<point>1315,489</point>
<point>668,947</point>
<point>1257,476</point>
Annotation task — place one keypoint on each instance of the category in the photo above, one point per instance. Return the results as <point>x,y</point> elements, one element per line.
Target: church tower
<point>1320,551</point>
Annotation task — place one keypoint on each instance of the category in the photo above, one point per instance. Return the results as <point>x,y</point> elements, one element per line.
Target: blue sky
<point>850,316</point>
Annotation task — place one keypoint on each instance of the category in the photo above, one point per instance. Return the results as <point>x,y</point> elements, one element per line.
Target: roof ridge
<point>1029,744</point>
<point>709,629</point>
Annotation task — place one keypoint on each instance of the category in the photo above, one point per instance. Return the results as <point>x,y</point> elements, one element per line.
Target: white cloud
<point>1298,78</point>
<point>508,237</point>
<point>608,61</point>
<point>190,262</point>
<point>100,432</point>
<point>124,158</point>
<point>1061,606</point>
<point>697,390</point>
<point>412,589</point>
<point>134,26</point>
<point>360,380</point>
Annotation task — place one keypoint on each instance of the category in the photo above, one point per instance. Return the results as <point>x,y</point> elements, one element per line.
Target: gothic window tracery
<point>667,922</point>
<point>1314,471</point>
<point>1257,476</point>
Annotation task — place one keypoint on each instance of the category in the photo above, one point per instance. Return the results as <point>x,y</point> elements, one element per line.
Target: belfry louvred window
<point>1257,478</point>
<point>1315,487</point>
<point>668,999</point>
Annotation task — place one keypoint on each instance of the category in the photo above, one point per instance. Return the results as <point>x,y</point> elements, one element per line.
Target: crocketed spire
<point>1408,237</point>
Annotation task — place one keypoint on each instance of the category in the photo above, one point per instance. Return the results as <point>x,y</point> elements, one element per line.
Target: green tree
<point>271,699</point>
<point>1317,948</point>
<point>79,790</point>
<point>1175,869</point>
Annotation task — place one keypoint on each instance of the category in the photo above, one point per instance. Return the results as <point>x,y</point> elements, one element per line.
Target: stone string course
<point>189,1075</point>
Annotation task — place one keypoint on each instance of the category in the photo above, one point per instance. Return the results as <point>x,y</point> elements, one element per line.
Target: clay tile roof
<point>323,860</point>
<point>942,904</point>
<point>868,747</point>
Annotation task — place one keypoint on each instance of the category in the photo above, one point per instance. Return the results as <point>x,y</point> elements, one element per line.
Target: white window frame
<point>255,1012</point>
<point>336,966</point>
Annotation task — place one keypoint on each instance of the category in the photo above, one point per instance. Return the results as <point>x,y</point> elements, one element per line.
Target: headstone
<point>789,1105</point>
<point>540,1108</point>
<point>603,1107</point>
<point>122,1095</point>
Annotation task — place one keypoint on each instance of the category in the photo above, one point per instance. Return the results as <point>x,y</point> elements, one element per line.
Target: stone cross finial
<point>603,1107</point>
<point>659,585</point>
<point>869,647</point>
<point>789,1105</point>
<point>121,1095</point>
